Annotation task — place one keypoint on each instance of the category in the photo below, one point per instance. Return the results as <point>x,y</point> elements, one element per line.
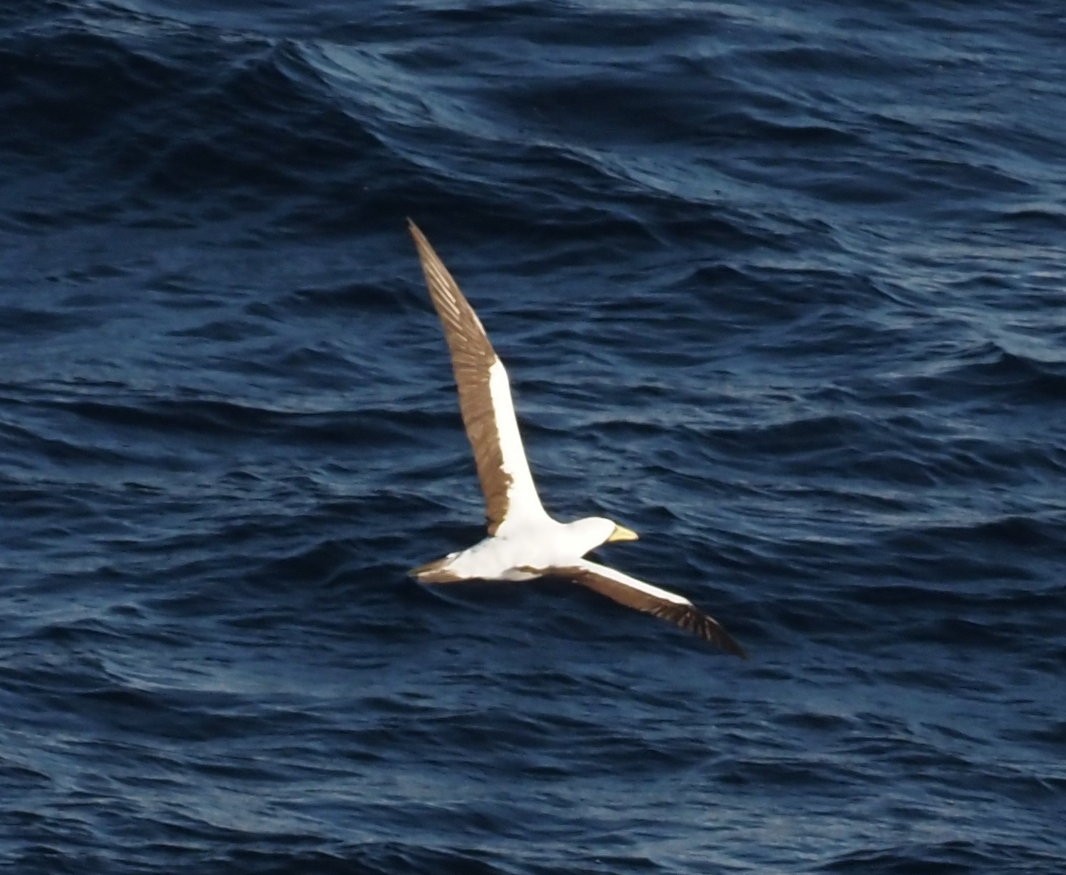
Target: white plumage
<point>524,542</point>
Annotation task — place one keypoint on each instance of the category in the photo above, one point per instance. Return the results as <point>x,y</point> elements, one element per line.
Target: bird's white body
<point>515,554</point>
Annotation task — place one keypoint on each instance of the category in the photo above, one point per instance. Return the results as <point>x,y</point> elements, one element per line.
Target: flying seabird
<point>524,542</point>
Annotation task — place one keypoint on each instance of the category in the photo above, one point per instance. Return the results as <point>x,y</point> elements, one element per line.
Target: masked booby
<point>524,542</point>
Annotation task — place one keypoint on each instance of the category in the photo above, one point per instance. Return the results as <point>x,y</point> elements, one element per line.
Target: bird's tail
<point>435,572</point>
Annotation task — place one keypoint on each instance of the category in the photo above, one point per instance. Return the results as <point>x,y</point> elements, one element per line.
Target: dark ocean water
<point>781,285</point>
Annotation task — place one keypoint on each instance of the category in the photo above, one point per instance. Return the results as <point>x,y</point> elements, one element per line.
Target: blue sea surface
<point>780,285</point>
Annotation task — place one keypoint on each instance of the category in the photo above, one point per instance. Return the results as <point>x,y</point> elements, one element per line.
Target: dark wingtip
<point>421,241</point>
<point>692,619</point>
<point>717,635</point>
<point>731,646</point>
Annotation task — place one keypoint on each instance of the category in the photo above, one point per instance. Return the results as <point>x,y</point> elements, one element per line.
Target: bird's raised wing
<point>484,399</point>
<point>650,599</point>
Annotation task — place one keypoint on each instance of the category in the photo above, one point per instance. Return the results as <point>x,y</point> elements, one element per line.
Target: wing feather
<point>650,599</point>
<point>484,398</point>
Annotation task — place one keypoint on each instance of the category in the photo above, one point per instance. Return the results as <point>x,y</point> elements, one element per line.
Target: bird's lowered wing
<point>650,599</point>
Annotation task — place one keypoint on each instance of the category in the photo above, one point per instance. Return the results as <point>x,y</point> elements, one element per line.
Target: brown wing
<point>484,397</point>
<point>650,599</point>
